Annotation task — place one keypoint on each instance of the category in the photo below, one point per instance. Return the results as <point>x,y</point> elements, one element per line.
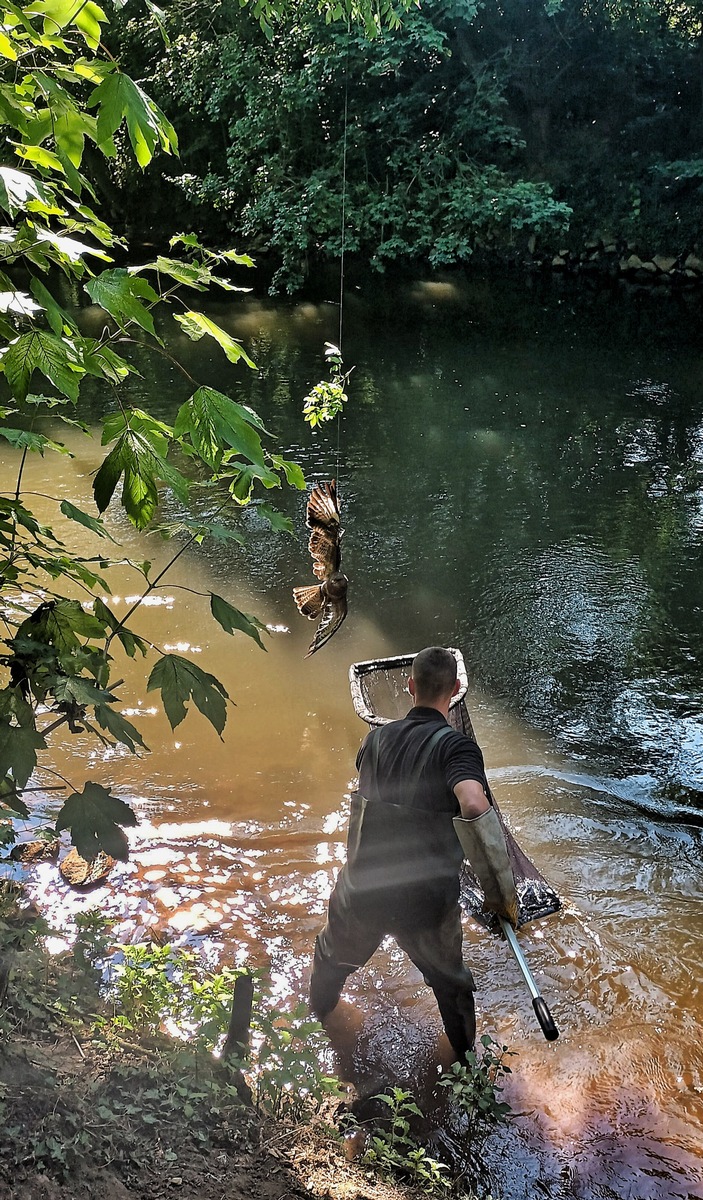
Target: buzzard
<point>327,600</point>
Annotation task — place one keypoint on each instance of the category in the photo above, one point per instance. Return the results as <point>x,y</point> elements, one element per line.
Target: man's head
<point>433,681</point>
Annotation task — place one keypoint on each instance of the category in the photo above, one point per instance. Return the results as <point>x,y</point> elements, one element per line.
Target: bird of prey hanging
<point>325,601</point>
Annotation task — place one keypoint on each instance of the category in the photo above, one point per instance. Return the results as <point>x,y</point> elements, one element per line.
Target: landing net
<point>380,695</point>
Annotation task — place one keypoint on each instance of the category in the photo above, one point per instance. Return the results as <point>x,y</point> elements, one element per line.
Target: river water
<point>521,476</point>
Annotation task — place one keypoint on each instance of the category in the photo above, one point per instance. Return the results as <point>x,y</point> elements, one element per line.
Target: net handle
<point>358,671</point>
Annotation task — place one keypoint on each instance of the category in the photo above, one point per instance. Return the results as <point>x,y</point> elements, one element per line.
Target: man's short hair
<point>434,673</point>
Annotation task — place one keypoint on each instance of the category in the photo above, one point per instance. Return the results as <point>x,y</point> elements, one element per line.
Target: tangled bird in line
<point>327,600</point>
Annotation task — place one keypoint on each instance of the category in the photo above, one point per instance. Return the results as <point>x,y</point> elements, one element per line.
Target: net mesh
<point>380,694</point>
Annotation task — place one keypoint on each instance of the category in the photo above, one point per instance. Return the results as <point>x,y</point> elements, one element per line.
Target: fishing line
<point>344,192</point>
<point>344,225</point>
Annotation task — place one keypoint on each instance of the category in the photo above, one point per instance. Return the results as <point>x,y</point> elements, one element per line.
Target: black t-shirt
<point>401,745</point>
<point>403,856</point>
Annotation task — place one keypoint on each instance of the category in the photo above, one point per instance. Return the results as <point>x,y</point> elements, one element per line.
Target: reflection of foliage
<point>578,492</point>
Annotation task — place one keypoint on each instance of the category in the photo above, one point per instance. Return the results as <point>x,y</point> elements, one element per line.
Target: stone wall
<point>622,259</point>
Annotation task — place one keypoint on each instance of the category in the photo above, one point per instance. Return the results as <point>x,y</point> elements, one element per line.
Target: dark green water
<point>522,476</point>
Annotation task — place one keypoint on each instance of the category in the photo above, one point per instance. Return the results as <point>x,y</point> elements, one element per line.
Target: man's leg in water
<point>345,943</point>
<point>436,950</point>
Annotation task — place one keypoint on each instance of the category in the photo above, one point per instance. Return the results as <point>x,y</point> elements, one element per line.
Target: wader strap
<point>372,748</point>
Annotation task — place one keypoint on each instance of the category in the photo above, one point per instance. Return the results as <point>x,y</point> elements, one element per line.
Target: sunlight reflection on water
<point>542,516</point>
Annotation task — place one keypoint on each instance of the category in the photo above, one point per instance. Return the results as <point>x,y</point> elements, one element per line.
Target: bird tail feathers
<point>309,600</point>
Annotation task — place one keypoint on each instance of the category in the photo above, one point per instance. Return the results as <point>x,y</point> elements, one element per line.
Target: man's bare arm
<point>472,799</point>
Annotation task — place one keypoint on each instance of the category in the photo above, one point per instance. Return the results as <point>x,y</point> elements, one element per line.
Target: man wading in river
<point>421,806</point>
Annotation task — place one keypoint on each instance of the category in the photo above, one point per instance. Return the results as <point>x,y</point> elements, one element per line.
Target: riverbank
<point>83,1119</point>
<point>97,1100</point>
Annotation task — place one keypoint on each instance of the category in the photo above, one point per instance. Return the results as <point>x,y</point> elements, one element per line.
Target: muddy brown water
<point>532,497</point>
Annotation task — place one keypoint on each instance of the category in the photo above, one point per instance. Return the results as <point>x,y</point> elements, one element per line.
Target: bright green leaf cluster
<point>324,402</point>
<point>326,399</point>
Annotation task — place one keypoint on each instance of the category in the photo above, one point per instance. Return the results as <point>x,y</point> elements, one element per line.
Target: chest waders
<point>413,842</point>
<point>378,688</point>
<point>401,878</point>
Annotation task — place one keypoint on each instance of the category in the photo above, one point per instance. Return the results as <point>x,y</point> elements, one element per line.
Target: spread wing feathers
<point>314,602</point>
<point>325,552</point>
<point>323,521</point>
<point>323,508</point>
<point>309,600</point>
<point>334,613</point>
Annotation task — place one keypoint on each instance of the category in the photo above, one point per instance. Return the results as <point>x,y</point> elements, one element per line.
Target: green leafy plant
<point>286,1069</point>
<point>393,1150</point>
<point>475,1085</point>
<point>153,987</point>
<point>150,1095</point>
<point>151,984</point>
<point>326,399</point>
<point>393,1146</point>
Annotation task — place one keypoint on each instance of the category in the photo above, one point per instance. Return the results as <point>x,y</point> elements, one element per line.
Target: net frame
<point>360,672</point>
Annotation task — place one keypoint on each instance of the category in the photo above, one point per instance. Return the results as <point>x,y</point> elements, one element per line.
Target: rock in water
<point>81,873</point>
<point>38,851</point>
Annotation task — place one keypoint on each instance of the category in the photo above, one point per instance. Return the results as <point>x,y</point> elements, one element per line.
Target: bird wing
<point>333,614</point>
<point>323,522</point>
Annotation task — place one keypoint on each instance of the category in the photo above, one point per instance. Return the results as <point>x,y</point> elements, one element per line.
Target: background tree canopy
<point>473,125</point>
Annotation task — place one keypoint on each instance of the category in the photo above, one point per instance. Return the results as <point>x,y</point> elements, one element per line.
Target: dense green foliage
<point>423,161</point>
<point>65,104</point>
<point>473,126</point>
